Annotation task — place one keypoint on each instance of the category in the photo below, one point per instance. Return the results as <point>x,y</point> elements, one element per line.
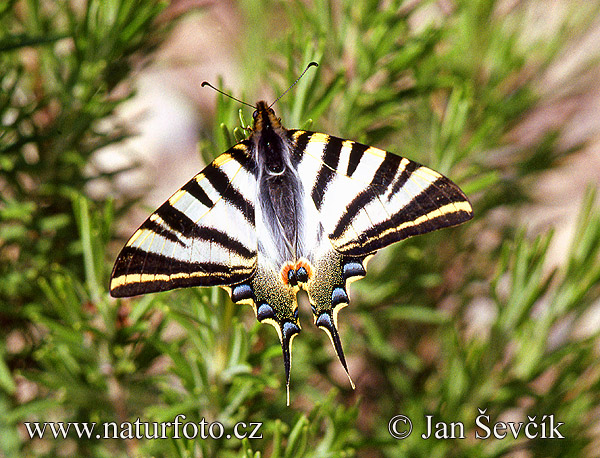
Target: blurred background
<point>103,118</point>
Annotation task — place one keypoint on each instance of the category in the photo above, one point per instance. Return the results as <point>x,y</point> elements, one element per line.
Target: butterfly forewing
<point>368,198</point>
<point>204,235</point>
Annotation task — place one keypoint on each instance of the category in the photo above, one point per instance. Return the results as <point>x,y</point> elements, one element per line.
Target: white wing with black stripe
<point>204,235</point>
<point>368,198</point>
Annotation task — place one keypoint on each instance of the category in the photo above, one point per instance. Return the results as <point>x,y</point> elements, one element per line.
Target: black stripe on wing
<point>198,193</point>
<point>413,220</point>
<point>223,239</point>
<point>356,153</point>
<point>300,140</point>
<point>220,181</point>
<point>180,224</point>
<point>153,226</point>
<point>176,220</point>
<point>331,158</point>
<point>163,273</point>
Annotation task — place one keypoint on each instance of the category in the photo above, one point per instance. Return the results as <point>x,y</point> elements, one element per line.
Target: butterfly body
<point>284,210</point>
<point>280,192</point>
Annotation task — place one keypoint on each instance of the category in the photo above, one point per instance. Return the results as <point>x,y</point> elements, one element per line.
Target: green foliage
<point>50,106</point>
<point>445,93</point>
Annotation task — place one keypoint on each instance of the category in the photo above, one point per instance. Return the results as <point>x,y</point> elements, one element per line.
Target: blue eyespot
<point>324,321</point>
<point>289,329</point>
<point>353,269</point>
<point>292,279</point>
<point>339,296</point>
<point>241,292</point>
<point>264,312</point>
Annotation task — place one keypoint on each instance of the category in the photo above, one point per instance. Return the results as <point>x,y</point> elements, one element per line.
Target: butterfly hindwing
<point>274,302</point>
<point>327,293</point>
<point>204,235</point>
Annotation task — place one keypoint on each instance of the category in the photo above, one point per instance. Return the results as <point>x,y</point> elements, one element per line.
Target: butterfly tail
<point>325,322</point>
<point>288,332</point>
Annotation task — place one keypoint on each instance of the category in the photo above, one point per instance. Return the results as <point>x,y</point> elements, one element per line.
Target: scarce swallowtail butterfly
<point>284,210</point>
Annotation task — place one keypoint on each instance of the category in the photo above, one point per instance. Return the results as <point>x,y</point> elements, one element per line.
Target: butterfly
<point>285,210</point>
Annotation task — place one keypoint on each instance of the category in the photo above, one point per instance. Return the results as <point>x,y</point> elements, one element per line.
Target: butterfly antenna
<point>312,64</point>
<point>206,83</point>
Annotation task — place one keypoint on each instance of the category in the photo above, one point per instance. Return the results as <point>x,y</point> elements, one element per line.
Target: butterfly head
<point>265,118</point>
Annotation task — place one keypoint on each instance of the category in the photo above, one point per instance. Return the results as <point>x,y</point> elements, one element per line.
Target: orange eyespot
<point>288,273</point>
<point>292,274</point>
